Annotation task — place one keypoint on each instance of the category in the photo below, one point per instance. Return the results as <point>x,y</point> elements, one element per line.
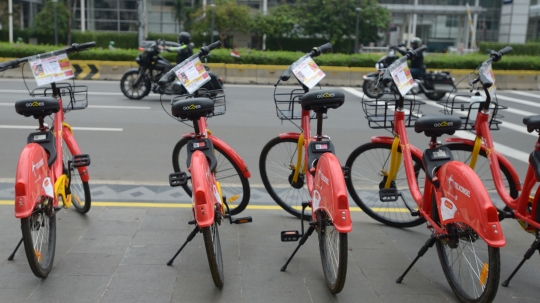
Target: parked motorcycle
<point>136,83</point>
<point>434,85</point>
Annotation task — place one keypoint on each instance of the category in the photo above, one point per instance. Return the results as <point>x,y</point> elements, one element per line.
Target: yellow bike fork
<point>395,162</point>
<point>299,167</point>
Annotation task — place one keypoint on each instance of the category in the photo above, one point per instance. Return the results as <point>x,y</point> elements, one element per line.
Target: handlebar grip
<point>9,64</point>
<point>505,50</point>
<point>205,50</point>
<point>325,47</point>
<point>286,75</point>
<point>86,45</point>
<point>214,45</point>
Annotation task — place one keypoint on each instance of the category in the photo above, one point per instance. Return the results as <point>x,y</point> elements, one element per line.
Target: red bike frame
<point>470,206</point>
<point>518,204</point>
<point>34,179</point>
<point>327,188</point>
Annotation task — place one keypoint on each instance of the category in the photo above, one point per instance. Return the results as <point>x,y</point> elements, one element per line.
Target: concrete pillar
<point>514,21</point>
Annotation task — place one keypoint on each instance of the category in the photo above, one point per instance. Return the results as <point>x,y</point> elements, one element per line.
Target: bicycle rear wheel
<point>213,252</point>
<point>277,165</point>
<point>39,237</point>
<point>333,249</point>
<point>471,266</point>
<point>234,185</point>
<point>369,165</point>
<point>80,190</point>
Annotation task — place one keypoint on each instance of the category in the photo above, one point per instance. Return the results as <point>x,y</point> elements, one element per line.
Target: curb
<point>268,74</point>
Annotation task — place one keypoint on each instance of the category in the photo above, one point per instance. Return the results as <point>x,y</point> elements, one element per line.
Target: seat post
<point>319,123</point>
<point>196,126</point>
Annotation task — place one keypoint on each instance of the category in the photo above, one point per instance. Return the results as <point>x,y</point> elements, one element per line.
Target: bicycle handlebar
<point>316,51</point>
<point>493,57</point>
<point>409,55</point>
<point>72,49</point>
<point>204,51</point>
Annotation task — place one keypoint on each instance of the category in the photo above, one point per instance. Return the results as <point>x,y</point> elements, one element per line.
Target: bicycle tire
<point>462,153</point>
<point>460,247</point>
<point>224,166</point>
<point>275,166</point>
<point>39,238</point>
<point>213,252</point>
<point>365,165</point>
<point>78,187</point>
<point>332,245</point>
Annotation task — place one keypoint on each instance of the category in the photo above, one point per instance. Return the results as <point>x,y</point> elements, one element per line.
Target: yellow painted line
<point>188,205</point>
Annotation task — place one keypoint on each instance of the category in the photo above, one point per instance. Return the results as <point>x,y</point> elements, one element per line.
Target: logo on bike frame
<point>453,186</point>
<point>324,178</point>
<point>37,166</point>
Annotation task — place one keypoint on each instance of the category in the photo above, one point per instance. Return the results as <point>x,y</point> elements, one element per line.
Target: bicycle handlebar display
<point>73,48</point>
<point>204,51</point>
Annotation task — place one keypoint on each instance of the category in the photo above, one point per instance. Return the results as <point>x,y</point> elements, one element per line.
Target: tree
<point>228,16</point>
<point>336,19</point>
<point>280,22</point>
<point>44,20</point>
<point>183,13</point>
<point>4,16</point>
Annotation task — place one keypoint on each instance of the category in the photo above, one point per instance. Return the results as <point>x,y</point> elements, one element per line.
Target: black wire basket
<point>288,105</point>
<point>78,95</point>
<point>380,111</point>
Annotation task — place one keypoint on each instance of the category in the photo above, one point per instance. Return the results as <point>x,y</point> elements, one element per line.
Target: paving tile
<point>137,296</point>
<point>138,277</point>
<point>80,289</point>
<point>198,290</point>
<point>91,264</point>
<point>123,214</point>
<point>15,295</point>
<point>102,244</point>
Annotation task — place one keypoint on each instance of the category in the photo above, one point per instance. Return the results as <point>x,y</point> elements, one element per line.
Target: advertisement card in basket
<point>402,77</point>
<point>488,73</point>
<point>307,72</point>
<point>51,69</point>
<point>192,74</point>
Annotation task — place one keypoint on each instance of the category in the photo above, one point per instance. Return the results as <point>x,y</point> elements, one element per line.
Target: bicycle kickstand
<point>527,256</point>
<point>429,243</point>
<point>287,236</point>
<point>16,248</point>
<point>189,238</point>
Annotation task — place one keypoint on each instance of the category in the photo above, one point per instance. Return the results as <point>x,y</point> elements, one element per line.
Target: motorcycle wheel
<point>371,91</point>
<point>435,96</point>
<point>139,92</point>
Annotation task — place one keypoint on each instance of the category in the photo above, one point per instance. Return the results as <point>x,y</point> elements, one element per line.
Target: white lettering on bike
<point>37,166</point>
<point>458,187</point>
<point>324,178</point>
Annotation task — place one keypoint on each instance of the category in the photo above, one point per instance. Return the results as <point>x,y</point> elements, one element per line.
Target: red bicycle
<point>493,168</point>
<point>294,160</point>
<point>457,207</point>
<point>210,205</point>
<point>51,166</point>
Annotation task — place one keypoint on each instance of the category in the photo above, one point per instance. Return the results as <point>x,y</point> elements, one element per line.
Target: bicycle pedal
<point>178,179</point>
<point>242,220</point>
<point>192,222</point>
<point>290,236</point>
<point>388,194</point>
<point>415,213</point>
<point>80,160</point>
<point>345,170</point>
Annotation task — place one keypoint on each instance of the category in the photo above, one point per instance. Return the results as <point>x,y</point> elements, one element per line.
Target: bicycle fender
<point>231,153</point>
<point>463,198</point>
<point>32,180</point>
<point>68,137</point>
<point>227,149</point>
<point>289,135</point>
<point>205,193</point>
<point>502,159</point>
<point>330,192</point>
<point>389,140</point>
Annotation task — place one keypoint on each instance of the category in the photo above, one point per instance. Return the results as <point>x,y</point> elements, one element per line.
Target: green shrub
<point>517,49</point>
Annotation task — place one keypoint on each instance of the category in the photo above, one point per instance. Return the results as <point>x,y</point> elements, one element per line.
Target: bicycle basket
<point>217,95</point>
<point>288,103</point>
<point>78,95</point>
<point>380,112</point>
<point>464,106</point>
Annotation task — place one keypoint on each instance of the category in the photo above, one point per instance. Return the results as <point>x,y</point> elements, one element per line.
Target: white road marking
<point>517,92</point>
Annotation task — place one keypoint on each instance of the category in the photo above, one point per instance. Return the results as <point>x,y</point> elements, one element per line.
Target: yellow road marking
<point>188,205</point>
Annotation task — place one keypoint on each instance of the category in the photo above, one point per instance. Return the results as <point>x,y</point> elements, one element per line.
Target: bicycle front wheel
<point>463,153</point>
<point>471,266</point>
<point>80,190</point>
<point>277,165</point>
<point>213,252</point>
<point>368,166</point>
<point>333,249</point>
<point>234,185</point>
<point>39,237</point>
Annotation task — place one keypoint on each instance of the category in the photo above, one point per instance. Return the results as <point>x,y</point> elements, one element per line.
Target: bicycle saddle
<point>322,99</point>
<point>437,125</point>
<point>37,106</point>
<point>192,109</point>
<point>532,122</point>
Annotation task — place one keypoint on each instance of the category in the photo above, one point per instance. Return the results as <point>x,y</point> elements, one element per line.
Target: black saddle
<point>532,122</point>
<point>321,100</point>
<point>437,125</point>
<point>192,109</point>
<point>37,106</point>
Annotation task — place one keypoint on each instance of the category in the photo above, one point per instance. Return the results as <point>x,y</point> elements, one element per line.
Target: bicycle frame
<point>485,142</point>
<point>34,177</point>
<point>473,207</point>
<point>226,148</point>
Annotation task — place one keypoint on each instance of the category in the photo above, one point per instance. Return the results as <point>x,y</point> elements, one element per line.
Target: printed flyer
<point>51,69</point>
<point>402,77</point>
<point>193,75</point>
<point>307,72</point>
